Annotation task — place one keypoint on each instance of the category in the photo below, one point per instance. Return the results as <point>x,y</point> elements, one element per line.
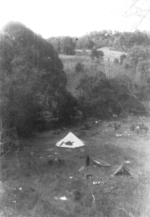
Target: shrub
<point>97,54</point>
<point>116,61</point>
<point>103,97</point>
<point>67,108</point>
<point>79,67</point>
<point>136,53</point>
<point>122,57</point>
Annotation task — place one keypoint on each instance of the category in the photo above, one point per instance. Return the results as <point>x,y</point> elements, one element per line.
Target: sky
<point>76,17</point>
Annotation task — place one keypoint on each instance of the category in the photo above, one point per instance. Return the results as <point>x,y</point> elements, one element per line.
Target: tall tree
<point>32,77</point>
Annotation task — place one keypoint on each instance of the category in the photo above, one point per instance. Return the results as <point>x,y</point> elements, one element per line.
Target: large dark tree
<point>32,78</point>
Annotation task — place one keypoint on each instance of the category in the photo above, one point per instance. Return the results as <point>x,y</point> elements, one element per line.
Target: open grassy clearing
<point>111,54</point>
<point>31,185</point>
<point>91,68</point>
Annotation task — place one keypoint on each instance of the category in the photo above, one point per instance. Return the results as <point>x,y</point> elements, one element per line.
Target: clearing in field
<point>46,180</point>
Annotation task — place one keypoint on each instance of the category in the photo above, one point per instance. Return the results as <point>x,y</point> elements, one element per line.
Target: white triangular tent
<point>122,170</point>
<point>70,141</point>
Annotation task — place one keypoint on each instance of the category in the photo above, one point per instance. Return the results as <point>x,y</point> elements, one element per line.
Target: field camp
<point>75,113</point>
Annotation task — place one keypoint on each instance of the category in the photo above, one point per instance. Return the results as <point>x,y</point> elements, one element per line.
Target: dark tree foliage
<point>33,82</point>
<point>56,42</point>
<point>138,53</point>
<point>67,108</point>
<point>122,41</point>
<point>85,42</point>
<point>122,57</point>
<point>98,54</point>
<point>68,46</point>
<point>79,67</point>
<point>102,97</point>
<point>116,61</point>
<point>65,45</point>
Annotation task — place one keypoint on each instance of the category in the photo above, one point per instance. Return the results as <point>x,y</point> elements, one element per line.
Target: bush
<point>102,97</point>
<point>79,67</point>
<point>67,109</point>
<point>122,57</point>
<point>136,53</point>
<point>116,61</point>
<point>97,54</point>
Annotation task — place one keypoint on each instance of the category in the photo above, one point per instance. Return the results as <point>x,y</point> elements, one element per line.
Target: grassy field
<point>111,54</point>
<point>31,185</point>
<point>34,183</point>
<point>91,68</point>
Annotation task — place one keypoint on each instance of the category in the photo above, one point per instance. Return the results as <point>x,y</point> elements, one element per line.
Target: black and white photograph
<point>74,108</point>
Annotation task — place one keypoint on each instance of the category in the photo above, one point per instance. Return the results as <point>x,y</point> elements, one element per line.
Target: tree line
<point>122,41</point>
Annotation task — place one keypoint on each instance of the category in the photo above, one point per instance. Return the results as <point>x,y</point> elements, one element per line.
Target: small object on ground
<point>81,168</point>
<point>57,161</point>
<point>98,182</point>
<point>63,198</point>
<point>101,163</point>
<point>97,122</point>
<point>60,198</point>
<point>135,128</point>
<point>121,170</point>
<point>82,150</point>
<point>93,198</point>
<point>77,195</point>
<point>88,176</point>
<point>126,133</point>
<point>20,188</point>
<point>71,177</point>
<point>87,161</point>
<point>127,162</point>
<point>118,135</point>
<point>143,127</point>
<point>115,125</point>
<point>138,128</point>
